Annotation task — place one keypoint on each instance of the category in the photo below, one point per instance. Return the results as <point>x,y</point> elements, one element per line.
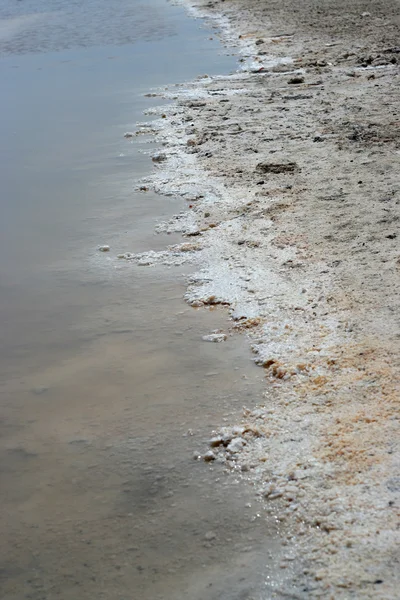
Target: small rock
<point>197,104</point>
<point>296,79</point>
<point>216,441</point>
<point>269,489</point>
<point>209,456</point>
<point>126,256</point>
<point>236,445</point>
<point>159,158</point>
<point>282,68</point>
<point>39,390</point>
<point>210,535</point>
<point>237,430</point>
<point>275,495</point>
<point>128,134</point>
<point>145,262</point>
<point>289,167</point>
<point>197,303</point>
<point>272,492</point>
<point>104,248</point>
<point>226,434</point>
<point>297,97</point>
<point>215,337</point>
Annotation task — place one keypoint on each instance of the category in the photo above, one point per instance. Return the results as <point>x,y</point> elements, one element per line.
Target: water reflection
<point>106,386</point>
<point>48,26</point>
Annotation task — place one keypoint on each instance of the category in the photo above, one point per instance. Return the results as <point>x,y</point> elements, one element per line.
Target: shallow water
<point>106,386</point>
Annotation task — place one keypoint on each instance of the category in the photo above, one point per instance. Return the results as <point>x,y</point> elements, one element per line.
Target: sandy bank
<point>290,169</point>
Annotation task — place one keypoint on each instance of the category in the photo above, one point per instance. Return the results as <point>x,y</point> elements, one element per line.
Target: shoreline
<point>289,170</point>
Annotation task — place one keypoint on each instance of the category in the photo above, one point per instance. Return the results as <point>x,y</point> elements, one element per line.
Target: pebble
<point>39,390</point>
<point>216,441</point>
<point>297,79</point>
<point>236,445</point>
<point>159,158</point>
<point>215,337</point>
<point>104,248</point>
<point>210,535</point>
<point>226,434</point>
<point>237,430</point>
<point>209,456</point>
<point>273,494</point>
<point>145,263</point>
<point>268,490</point>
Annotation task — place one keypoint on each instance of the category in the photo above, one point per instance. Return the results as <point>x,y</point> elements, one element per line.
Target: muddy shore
<point>290,170</point>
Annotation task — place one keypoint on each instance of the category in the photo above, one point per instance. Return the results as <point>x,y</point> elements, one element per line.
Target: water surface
<point>106,386</point>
